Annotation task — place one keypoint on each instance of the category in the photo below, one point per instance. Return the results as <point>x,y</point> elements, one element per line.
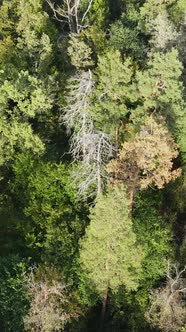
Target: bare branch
<point>167,310</point>
<point>49,304</point>
<point>90,147</point>
<point>69,14</point>
<point>55,12</point>
<point>86,12</point>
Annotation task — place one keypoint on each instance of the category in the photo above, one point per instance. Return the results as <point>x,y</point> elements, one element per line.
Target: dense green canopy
<point>92,165</point>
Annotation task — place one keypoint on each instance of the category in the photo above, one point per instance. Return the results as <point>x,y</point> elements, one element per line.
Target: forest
<point>93,165</point>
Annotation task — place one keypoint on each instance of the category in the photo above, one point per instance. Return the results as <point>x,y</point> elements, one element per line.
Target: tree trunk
<point>131,197</point>
<point>116,138</point>
<point>104,307</point>
<point>98,167</point>
<point>132,190</point>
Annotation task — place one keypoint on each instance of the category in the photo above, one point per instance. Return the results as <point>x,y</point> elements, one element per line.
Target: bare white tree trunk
<point>90,148</point>
<point>99,167</point>
<point>69,13</point>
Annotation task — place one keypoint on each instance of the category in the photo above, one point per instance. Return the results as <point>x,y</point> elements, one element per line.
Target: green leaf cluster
<point>116,258</point>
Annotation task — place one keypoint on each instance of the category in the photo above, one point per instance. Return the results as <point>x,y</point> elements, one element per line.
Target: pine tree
<point>161,91</point>
<point>114,91</point>
<point>109,252</point>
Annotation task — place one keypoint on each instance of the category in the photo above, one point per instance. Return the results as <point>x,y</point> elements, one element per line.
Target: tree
<point>167,310</point>
<point>160,90</point>
<point>164,33</point>
<point>29,34</point>
<point>70,13</point>
<point>52,220</point>
<point>125,34</point>
<point>147,159</point>
<point>90,147</point>
<point>90,175</point>
<point>177,12</point>
<point>98,14</point>
<point>23,97</point>
<point>8,18</point>
<point>35,32</point>
<point>109,253</point>
<point>152,227</point>
<point>153,231</point>
<point>50,303</point>
<point>79,52</point>
<point>76,114</point>
<point>111,100</point>
<point>149,12</point>
<point>26,91</point>
<point>159,86</point>
<point>13,301</point>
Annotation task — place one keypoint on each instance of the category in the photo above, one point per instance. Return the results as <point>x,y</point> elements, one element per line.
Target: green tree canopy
<point>109,253</point>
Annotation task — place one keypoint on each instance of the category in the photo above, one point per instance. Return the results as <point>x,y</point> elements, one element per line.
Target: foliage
<point>159,86</point>
<point>153,231</point>
<point>92,98</point>
<point>149,12</point>
<point>22,97</point>
<point>161,90</point>
<point>177,11</point>
<point>147,159</point>
<point>116,257</point>
<point>113,91</point>
<point>79,52</point>
<point>98,14</point>
<point>13,302</point>
<point>48,203</point>
<point>125,35</point>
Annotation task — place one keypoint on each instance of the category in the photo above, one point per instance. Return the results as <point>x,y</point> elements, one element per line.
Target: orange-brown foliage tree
<point>147,159</point>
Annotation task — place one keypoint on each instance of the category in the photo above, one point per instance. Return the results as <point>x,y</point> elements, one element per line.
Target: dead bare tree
<point>91,174</point>
<point>75,115</point>
<point>69,13</point>
<point>90,148</point>
<point>167,310</point>
<point>49,304</point>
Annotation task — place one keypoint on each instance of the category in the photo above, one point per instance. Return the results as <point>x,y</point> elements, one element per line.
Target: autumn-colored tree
<point>147,159</point>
